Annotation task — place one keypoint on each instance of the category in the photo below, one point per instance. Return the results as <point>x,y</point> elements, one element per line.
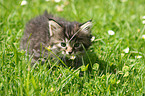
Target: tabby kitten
<point>65,39</point>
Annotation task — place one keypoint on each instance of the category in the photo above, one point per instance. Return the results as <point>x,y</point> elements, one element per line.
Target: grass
<point>114,72</point>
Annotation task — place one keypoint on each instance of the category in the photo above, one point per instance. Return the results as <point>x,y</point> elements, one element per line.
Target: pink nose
<point>69,50</point>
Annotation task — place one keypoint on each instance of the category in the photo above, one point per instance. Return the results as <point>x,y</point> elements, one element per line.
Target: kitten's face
<point>68,39</point>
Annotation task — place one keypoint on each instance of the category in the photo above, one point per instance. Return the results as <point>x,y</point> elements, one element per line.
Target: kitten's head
<point>68,38</point>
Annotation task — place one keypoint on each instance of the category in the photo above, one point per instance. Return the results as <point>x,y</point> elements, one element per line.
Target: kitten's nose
<point>69,50</point>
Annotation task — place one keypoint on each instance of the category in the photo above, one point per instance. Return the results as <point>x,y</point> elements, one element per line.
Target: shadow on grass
<point>104,66</point>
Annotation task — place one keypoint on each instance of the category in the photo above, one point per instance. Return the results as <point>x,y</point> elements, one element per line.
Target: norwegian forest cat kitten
<point>66,39</point>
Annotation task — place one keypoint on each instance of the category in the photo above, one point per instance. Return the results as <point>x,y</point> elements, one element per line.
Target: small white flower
<point>72,57</point>
<point>57,1</point>
<point>143,22</point>
<point>126,50</point>
<point>24,2</point>
<point>93,38</point>
<point>143,36</point>
<point>47,0</point>
<point>143,17</point>
<point>62,52</point>
<point>138,56</point>
<point>59,8</point>
<point>110,32</point>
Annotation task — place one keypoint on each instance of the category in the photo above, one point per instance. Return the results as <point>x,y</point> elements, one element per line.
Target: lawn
<point>117,55</point>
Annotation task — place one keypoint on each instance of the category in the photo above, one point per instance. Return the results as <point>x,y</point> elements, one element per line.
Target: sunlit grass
<point>118,59</point>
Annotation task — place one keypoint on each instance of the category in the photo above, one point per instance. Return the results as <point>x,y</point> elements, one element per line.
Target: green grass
<point>114,72</point>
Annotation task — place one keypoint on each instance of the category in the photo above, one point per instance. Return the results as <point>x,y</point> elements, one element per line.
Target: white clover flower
<point>143,17</point>
<point>24,2</point>
<point>59,8</point>
<point>57,1</point>
<point>143,36</point>
<point>110,32</point>
<point>72,57</point>
<point>93,38</point>
<point>143,22</point>
<point>138,56</point>
<point>126,50</point>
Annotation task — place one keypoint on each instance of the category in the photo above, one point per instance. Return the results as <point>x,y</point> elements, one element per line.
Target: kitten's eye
<point>63,44</point>
<point>77,45</point>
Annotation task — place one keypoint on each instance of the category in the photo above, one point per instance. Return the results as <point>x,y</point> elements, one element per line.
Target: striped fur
<point>64,37</point>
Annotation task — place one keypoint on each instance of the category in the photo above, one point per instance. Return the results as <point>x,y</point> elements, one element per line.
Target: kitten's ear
<point>54,27</point>
<point>85,27</point>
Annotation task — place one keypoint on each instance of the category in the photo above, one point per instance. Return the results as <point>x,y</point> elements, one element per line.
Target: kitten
<point>65,39</point>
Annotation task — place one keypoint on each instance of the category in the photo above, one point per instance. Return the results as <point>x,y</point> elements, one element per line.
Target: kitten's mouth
<point>72,58</point>
<point>69,56</point>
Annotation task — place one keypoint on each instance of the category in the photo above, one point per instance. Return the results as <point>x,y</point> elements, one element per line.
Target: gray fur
<point>37,36</point>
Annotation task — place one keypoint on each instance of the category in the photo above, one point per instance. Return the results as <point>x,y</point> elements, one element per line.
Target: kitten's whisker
<point>74,35</point>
